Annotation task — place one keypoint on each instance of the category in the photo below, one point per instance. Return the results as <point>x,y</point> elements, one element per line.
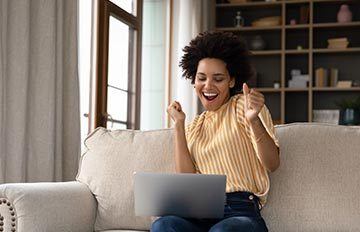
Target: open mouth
<point>210,96</point>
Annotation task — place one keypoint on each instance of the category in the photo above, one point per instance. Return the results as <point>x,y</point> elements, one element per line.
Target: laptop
<point>181,194</point>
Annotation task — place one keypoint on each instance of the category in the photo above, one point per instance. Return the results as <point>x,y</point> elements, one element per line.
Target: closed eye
<point>201,78</point>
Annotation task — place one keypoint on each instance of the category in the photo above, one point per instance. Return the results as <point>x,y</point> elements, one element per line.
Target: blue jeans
<point>241,213</point>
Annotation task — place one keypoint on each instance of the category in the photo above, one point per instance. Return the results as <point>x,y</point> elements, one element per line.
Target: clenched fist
<point>253,103</point>
<point>175,112</point>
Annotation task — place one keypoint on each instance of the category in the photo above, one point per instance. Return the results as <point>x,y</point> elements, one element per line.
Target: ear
<point>232,82</point>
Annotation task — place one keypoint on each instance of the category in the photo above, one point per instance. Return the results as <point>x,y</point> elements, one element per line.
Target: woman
<point>234,136</point>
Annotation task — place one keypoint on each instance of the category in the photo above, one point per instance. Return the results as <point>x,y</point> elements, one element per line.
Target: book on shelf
<point>334,73</point>
<point>344,84</point>
<point>321,77</point>
<point>304,14</point>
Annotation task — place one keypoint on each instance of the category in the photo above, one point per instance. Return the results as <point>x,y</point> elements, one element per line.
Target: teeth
<point>210,94</point>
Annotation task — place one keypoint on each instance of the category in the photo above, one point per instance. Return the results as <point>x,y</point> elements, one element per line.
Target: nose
<point>208,84</point>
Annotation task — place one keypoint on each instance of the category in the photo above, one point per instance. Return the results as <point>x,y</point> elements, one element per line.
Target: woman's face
<point>213,83</point>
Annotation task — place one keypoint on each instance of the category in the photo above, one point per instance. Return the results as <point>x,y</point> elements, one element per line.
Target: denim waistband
<point>242,203</point>
<point>242,194</point>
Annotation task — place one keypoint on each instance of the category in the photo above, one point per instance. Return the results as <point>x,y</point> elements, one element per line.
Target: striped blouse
<point>221,142</point>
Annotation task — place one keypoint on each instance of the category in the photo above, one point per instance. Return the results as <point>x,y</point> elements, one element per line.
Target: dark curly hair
<point>221,45</point>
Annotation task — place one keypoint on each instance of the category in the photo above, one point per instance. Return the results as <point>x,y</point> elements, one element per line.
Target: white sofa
<point>316,187</point>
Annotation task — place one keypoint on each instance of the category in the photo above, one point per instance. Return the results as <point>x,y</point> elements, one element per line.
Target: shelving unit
<point>283,54</point>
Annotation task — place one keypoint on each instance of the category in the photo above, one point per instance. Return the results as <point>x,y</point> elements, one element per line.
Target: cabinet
<point>302,46</point>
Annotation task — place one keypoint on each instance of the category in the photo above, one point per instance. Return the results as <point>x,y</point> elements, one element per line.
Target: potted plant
<point>349,111</point>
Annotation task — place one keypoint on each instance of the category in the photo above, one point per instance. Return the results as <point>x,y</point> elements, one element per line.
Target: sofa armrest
<point>62,206</point>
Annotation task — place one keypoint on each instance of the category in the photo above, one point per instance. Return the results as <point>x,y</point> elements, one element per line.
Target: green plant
<point>349,103</point>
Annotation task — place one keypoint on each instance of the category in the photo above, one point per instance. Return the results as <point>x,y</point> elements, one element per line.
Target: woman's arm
<point>183,162</point>
<point>268,151</point>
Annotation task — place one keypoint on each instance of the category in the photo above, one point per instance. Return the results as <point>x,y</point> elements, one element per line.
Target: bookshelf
<point>282,53</point>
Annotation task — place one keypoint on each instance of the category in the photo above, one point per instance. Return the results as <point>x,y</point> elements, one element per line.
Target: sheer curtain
<point>190,17</point>
<point>39,91</point>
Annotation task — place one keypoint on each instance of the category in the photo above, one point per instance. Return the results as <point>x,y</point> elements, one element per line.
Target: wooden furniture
<point>301,46</point>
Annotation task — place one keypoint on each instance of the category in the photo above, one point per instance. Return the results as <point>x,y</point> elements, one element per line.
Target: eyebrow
<point>215,74</point>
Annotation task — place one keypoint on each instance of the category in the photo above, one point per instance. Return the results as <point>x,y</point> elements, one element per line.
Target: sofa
<point>316,187</point>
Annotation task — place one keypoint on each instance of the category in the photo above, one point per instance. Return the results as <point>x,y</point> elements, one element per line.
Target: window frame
<point>106,8</point>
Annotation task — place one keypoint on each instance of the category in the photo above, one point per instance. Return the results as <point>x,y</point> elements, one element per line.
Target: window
<point>154,51</point>
<point>84,51</point>
<point>127,5</point>
<point>118,64</point>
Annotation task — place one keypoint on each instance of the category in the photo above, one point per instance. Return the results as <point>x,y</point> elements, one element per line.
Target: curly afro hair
<point>221,45</point>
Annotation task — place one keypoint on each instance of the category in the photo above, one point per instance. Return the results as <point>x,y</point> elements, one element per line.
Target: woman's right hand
<point>175,112</point>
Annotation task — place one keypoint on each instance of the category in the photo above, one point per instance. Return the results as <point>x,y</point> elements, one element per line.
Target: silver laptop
<point>184,195</point>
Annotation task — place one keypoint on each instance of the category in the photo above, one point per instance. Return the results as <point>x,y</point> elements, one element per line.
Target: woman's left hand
<point>253,103</point>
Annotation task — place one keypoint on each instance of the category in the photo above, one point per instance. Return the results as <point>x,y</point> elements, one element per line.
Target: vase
<point>257,43</point>
<point>238,20</point>
<point>349,116</point>
<point>344,15</point>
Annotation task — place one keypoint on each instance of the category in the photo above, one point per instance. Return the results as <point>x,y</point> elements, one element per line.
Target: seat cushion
<point>107,168</point>
<point>316,187</point>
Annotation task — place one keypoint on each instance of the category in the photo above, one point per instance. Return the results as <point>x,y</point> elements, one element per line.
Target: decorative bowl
<point>267,21</point>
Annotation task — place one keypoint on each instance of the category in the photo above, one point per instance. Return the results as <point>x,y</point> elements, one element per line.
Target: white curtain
<point>190,17</point>
<point>39,91</point>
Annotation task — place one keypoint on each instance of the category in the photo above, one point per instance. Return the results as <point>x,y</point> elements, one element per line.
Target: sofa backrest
<point>107,167</point>
<point>317,185</point>
<point>315,188</point>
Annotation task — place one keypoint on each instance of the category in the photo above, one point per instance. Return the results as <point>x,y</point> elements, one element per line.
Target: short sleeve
<point>266,120</point>
<point>264,116</point>
<point>239,108</point>
<point>190,130</point>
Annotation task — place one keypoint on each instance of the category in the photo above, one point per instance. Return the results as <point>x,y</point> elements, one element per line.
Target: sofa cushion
<point>108,165</point>
<point>316,187</point>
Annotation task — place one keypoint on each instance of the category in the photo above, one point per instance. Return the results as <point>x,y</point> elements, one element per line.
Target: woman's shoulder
<point>237,97</point>
<point>194,122</point>
<point>237,101</point>
<point>194,127</point>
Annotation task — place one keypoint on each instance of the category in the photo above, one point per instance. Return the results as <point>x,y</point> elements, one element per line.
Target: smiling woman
<point>231,52</point>
<point>212,83</point>
<point>234,136</point>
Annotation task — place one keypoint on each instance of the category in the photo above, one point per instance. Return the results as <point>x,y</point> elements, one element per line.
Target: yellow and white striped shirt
<point>221,142</point>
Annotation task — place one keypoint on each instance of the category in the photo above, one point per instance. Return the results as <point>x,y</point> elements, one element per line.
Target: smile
<point>210,96</point>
